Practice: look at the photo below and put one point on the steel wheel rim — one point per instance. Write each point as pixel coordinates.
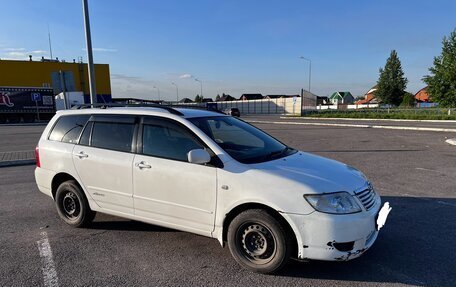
(71, 205)
(257, 243)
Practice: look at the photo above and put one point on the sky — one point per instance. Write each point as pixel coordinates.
(233, 47)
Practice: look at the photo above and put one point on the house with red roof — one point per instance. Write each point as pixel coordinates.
(369, 97)
(422, 96)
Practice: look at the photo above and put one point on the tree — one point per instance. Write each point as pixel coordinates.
(442, 82)
(408, 101)
(198, 99)
(217, 98)
(391, 83)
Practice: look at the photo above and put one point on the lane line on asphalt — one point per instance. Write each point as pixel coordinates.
(358, 126)
(48, 268)
(365, 119)
(451, 141)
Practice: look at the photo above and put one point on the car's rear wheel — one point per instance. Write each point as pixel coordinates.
(258, 241)
(72, 205)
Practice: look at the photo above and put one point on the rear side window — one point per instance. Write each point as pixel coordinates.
(68, 128)
(113, 136)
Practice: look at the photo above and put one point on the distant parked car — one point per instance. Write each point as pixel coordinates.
(232, 112)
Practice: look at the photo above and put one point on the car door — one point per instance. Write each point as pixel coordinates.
(104, 159)
(167, 189)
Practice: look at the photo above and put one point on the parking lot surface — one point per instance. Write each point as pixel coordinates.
(414, 171)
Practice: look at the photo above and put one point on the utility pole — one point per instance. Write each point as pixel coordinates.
(201, 86)
(177, 92)
(49, 38)
(91, 70)
(310, 69)
(158, 90)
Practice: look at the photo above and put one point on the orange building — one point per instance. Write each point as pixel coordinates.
(369, 97)
(422, 96)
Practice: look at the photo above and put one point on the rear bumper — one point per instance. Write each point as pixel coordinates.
(332, 237)
(43, 178)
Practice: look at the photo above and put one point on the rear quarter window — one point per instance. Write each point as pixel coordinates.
(113, 136)
(68, 128)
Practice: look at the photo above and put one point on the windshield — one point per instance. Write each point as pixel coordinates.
(242, 141)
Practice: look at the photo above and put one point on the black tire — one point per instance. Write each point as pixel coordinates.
(259, 242)
(72, 205)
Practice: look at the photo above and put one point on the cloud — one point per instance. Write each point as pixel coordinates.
(41, 52)
(186, 76)
(16, 54)
(124, 77)
(102, 50)
(14, 49)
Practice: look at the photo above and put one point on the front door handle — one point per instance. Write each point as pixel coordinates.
(142, 165)
(82, 155)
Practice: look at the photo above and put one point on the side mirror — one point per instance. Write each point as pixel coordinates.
(198, 156)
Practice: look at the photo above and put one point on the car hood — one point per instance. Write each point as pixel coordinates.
(314, 173)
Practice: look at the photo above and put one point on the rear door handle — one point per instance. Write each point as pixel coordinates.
(82, 155)
(142, 165)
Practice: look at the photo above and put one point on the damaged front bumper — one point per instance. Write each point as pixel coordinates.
(332, 237)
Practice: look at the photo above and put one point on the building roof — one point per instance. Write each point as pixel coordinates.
(280, 96)
(186, 100)
(340, 95)
(226, 98)
(368, 99)
(422, 95)
(252, 96)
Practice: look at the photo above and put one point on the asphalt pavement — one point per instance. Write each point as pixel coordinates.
(414, 170)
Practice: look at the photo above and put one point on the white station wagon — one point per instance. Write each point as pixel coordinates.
(210, 174)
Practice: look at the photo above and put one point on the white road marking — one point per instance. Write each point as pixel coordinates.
(364, 119)
(451, 141)
(358, 126)
(48, 268)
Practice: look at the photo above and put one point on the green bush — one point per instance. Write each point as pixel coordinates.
(412, 114)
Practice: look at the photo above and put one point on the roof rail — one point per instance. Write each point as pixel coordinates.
(111, 105)
(195, 107)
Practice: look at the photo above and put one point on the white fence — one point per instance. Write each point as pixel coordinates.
(346, 107)
(284, 106)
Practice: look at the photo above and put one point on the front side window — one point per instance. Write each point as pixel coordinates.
(242, 141)
(113, 136)
(167, 140)
(68, 128)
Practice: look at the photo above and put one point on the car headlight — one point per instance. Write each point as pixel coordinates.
(337, 203)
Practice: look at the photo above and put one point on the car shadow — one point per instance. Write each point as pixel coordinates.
(415, 247)
(113, 223)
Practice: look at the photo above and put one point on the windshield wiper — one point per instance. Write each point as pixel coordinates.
(279, 153)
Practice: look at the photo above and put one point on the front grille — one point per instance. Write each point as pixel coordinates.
(367, 197)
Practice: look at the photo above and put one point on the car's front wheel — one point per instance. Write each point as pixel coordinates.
(258, 241)
(72, 205)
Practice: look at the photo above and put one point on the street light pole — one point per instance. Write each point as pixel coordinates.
(201, 86)
(158, 90)
(177, 92)
(310, 69)
(91, 70)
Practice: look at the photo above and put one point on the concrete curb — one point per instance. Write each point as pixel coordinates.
(10, 163)
(451, 141)
(364, 119)
(360, 126)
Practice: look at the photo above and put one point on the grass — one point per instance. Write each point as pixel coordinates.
(411, 114)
